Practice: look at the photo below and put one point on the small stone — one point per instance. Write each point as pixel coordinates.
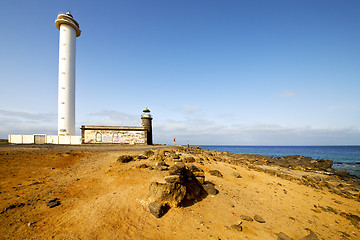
(31, 223)
(311, 236)
(236, 174)
(53, 203)
(189, 159)
(210, 189)
(283, 236)
(161, 168)
(216, 173)
(158, 209)
(237, 227)
(143, 166)
(161, 163)
(149, 153)
(125, 159)
(316, 210)
(259, 219)
(246, 218)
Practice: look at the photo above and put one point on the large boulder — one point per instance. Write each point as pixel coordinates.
(169, 193)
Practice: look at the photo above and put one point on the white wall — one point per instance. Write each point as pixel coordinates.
(50, 139)
(15, 139)
(27, 139)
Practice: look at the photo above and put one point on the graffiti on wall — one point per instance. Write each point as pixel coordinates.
(112, 136)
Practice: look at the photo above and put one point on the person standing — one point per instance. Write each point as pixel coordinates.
(187, 144)
(174, 141)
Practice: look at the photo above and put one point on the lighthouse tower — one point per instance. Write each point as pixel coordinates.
(146, 122)
(69, 30)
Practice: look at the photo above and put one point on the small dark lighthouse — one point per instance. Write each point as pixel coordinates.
(146, 122)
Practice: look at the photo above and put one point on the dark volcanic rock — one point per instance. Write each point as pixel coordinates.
(161, 166)
(143, 166)
(189, 160)
(216, 173)
(194, 168)
(210, 188)
(12, 206)
(170, 193)
(177, 169)
(236, 174)
(149, 153)
(283, 236)
(237, 227)
(53, 203)
(158, 209)
(311, 236)
(294, 161)
(125, 159)
(246, 218)
(259, 219)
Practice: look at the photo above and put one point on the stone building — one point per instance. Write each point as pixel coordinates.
(120, 134)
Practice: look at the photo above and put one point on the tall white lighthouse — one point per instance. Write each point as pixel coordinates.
(69, 30)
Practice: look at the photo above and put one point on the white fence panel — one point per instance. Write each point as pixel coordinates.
(15, 139)
(75, 140)
(28, 139)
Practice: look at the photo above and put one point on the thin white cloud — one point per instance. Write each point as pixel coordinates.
(190, 111)
(26, 116)
(17, 122)
(204, 132)
(197, 130)
(288, 94)
(110, 117)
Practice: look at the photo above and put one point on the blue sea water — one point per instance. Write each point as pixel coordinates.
(344, 157)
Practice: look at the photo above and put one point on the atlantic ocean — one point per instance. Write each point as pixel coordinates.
(344, 157)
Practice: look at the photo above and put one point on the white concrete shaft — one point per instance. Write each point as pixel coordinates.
(66, 94)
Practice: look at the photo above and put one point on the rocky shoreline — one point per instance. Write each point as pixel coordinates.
(317, 173)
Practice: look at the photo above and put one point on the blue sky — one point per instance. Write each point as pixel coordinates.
(254, 72)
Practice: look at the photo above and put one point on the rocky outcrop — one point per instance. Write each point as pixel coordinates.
(171, 194)
(184, 185)
(281, 167)
(296, 161)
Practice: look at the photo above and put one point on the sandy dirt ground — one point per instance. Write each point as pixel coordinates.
(101, 198)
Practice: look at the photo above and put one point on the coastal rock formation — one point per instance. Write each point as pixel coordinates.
(317, 173)
(184, 185)
(296, 161)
